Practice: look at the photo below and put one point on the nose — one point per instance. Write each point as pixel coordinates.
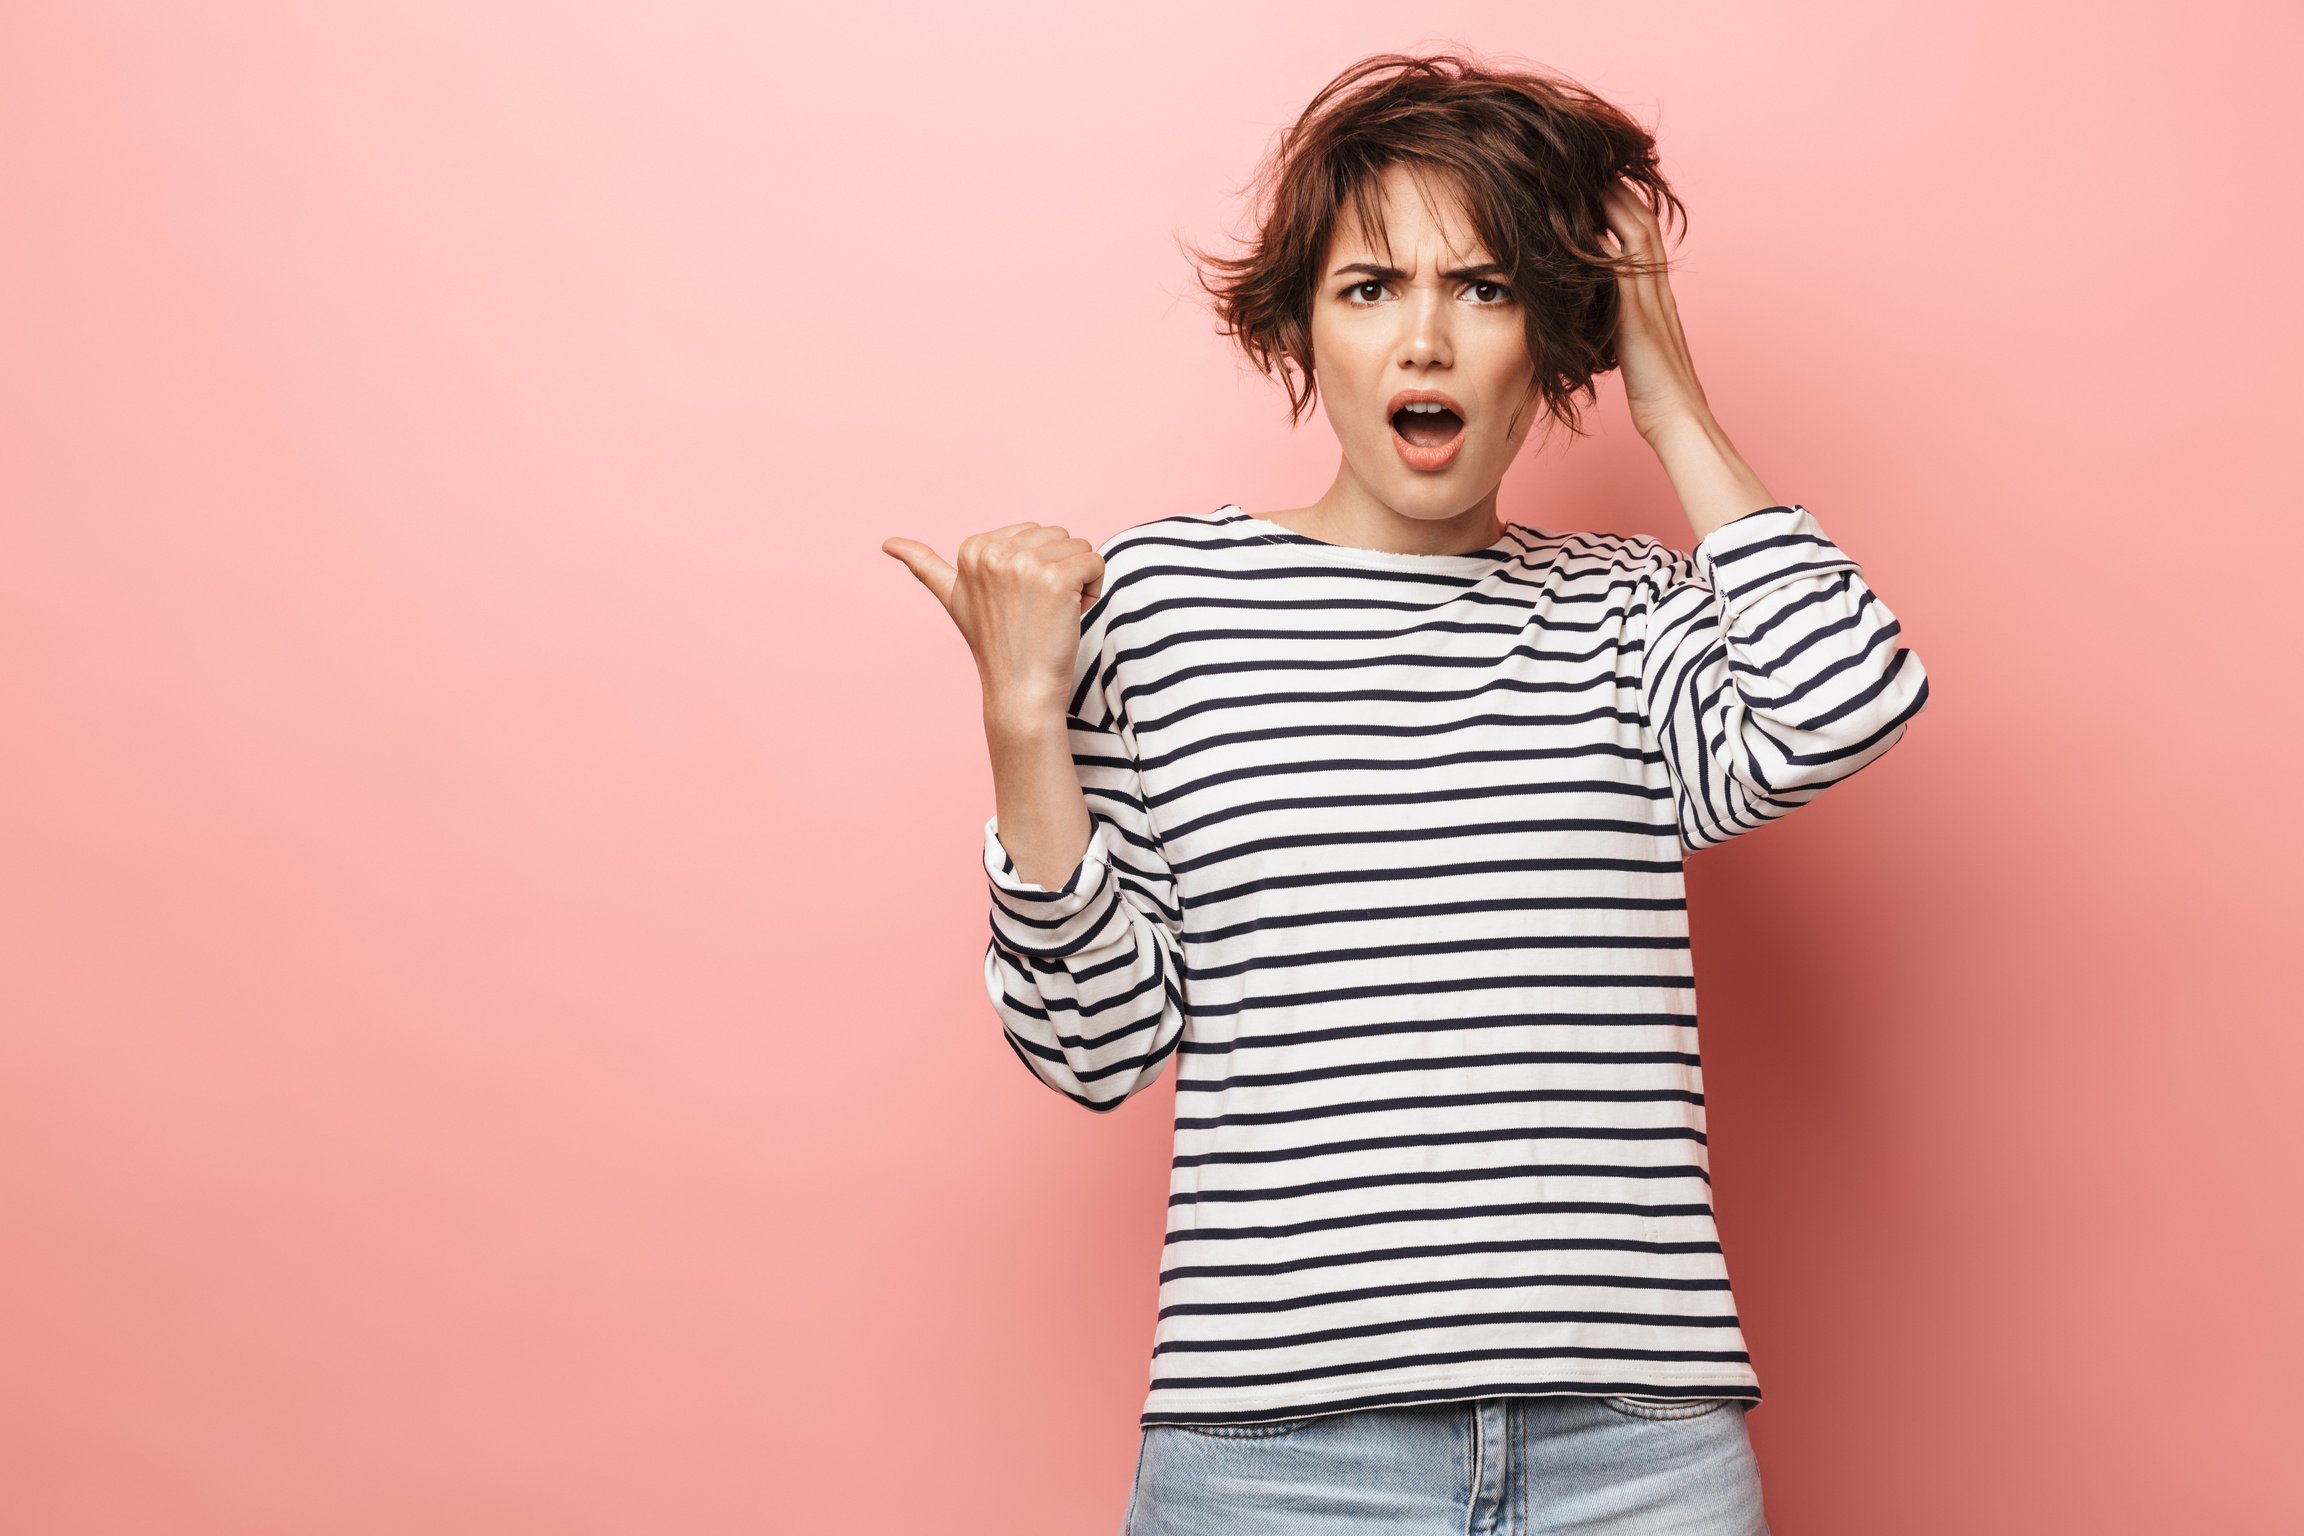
(1425, 341)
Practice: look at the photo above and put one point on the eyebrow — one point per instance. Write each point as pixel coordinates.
(1374, 270)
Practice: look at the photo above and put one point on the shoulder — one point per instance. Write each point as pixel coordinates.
(1140, 557)
(1177, 536)
(1595, 552)
(1135, 557)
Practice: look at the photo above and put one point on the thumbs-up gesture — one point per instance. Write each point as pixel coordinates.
(1016, 594)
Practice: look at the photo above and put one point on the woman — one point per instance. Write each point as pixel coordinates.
(1373, 814)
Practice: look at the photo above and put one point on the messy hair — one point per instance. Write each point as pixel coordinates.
(1532, 156)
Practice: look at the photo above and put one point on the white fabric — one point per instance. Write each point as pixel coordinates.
(1387, 854)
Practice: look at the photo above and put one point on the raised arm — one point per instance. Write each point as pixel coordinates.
(1769, 670)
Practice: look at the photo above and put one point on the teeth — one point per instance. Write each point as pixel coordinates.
(1424, 407)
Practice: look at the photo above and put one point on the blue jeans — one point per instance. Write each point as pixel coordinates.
(1502, 1466)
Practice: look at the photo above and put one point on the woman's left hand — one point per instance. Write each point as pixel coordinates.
(1659, 376)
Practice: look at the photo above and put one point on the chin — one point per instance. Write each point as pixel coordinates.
(1434, 498)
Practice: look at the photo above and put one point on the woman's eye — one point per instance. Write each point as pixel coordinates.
(1358, 293)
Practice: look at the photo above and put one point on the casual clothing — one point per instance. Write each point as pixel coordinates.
(1510, 1466)
(1387, 852)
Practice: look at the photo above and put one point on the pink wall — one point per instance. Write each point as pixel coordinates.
(491, 1038)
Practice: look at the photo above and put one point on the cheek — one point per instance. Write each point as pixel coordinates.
(1508, 377)
(1504, 360)
(1353, 344)
(1349, 388)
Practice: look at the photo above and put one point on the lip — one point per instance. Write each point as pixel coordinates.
(1427, 459)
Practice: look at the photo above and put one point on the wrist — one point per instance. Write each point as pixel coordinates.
(1713, 482)
(1024, 716)
(1687, 429)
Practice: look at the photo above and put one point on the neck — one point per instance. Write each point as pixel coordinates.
(1348, 512)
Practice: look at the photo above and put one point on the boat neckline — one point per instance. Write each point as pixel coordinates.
(1512, 540)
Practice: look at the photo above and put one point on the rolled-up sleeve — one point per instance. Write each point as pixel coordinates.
(1769, 671)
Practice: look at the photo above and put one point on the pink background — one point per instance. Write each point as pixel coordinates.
(491, 1037)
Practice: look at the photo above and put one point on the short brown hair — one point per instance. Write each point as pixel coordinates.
(1532, 154)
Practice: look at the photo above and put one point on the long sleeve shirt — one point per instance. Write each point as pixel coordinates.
(1386, 853)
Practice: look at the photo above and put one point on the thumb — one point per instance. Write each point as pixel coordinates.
(926, 564)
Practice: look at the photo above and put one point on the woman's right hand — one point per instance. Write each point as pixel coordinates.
(1016, 594)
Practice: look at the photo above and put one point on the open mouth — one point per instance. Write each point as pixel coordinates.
(1427, 425)
(1427, 431)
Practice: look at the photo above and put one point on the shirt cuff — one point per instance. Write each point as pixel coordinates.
(1749, 555)
(1033, 918)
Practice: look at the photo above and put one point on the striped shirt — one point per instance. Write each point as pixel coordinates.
(1387, 853)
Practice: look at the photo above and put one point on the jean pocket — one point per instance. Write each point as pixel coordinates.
(1675, 1408)
(1263, 1431)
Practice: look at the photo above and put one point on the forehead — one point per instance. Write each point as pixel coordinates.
(1405, 211)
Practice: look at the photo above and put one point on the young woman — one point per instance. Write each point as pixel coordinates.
(1372, 813)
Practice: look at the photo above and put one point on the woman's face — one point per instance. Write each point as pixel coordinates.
(1432, 317)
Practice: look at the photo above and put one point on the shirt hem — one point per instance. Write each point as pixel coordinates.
(1448, 1389)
